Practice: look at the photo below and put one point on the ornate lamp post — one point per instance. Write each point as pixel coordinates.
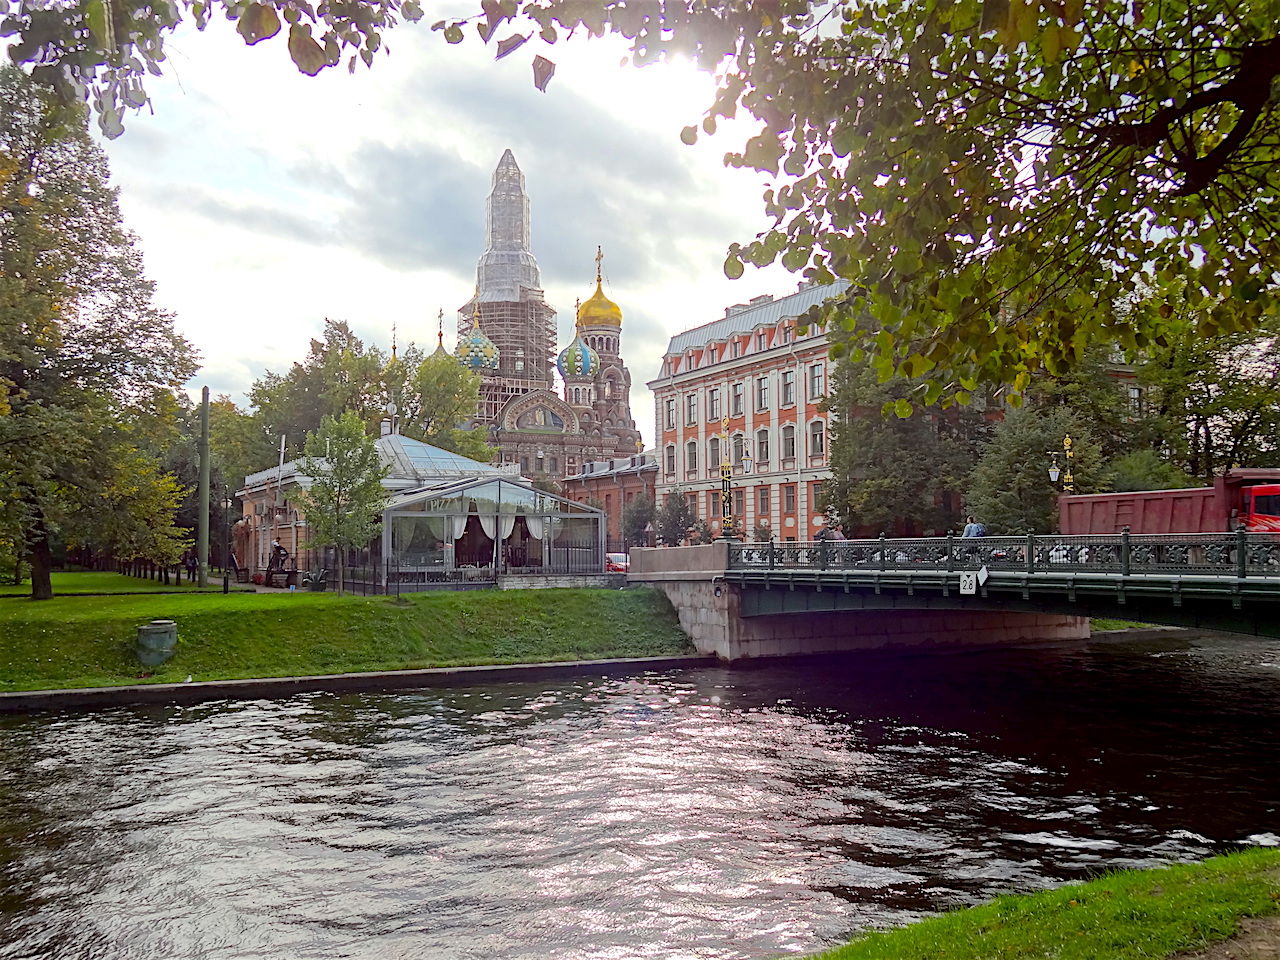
(726, 477)
(1068, 479)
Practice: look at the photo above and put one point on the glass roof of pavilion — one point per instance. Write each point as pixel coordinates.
(487, 495)
(414, 460)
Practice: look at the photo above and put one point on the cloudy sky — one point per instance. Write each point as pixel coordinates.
(266, 201)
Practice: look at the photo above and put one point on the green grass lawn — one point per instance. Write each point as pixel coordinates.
(99, 582)
(1125, 915)
(88, 641)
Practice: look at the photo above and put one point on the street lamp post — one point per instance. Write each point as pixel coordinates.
(227, 503)
(1068, 478)
(726, 477)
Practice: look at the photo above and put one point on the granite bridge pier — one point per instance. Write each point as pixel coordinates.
(743, 600)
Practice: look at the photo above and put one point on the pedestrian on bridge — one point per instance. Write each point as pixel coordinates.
(974, 529)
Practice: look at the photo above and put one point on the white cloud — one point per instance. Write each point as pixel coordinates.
(266, 201)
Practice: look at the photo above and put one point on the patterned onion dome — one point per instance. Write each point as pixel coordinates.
(578, 360)
(477, 351)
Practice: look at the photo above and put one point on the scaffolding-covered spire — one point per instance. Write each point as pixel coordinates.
(507, 265)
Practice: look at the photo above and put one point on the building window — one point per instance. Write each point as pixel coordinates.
(713, 503)
(817, 381)
(713, 454)
(713, 403)
(762, 340)
(762, 447)
(762, 501)
(762, 393)
(670, 458)
(524, 464)
(555, 464)
(692, 500)
(788, 387)
(1135, 399)
(817, 439)
(815, 495)
(735, 400)
(691, 456)
(789, 442)
(789, 498)
(739, 449)
(739, 503)
(691, 409)
(786, 333)
(735, 348)
(671, 413)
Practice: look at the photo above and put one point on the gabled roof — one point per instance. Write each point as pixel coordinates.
(745, 321)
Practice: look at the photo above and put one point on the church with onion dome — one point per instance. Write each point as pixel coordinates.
(507, 335)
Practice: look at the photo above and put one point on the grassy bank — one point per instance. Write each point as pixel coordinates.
(1127, 914)
(88, 641)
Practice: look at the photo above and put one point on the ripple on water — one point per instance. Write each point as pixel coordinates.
(708, 814)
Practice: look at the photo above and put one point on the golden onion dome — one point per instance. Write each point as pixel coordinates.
(599, 310)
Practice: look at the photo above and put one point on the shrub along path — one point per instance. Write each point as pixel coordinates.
(93, 583)
(85, 641)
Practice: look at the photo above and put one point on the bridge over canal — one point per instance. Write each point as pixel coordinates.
(742, 600)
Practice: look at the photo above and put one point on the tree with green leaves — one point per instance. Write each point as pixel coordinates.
(1009, 489)
(80, 339)
(673, 520)
(892, 474)
(436, 393)
(1211, 403)
(991, 176)
(337, 376)
(1144, 470)
(344, 500)
(637, 520)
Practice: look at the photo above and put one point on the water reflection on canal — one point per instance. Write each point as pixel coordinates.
(710, 814)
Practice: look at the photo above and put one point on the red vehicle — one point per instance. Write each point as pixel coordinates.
(1250, 496)
(621, 563)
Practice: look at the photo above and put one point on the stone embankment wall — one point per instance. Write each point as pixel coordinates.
(692, 578)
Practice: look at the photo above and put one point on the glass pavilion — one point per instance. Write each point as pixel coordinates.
(484, 526)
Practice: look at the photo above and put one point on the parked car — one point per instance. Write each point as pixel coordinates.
(617, 563)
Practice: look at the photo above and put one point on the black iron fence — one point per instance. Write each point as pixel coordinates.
(1237, 554)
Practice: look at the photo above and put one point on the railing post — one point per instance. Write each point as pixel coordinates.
(822, 554)
(772, 558)
(1124, 551)
(883, 559)
(1031, 553)
(951, 552)
(1242, 544)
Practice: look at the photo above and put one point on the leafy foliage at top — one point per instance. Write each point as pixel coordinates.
(991, 176)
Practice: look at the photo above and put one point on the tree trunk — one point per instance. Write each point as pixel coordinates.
(41, 559)
(341, 568)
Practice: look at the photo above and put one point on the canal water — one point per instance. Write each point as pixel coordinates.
(713, 813)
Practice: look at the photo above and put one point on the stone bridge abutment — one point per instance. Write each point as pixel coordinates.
(711, 612)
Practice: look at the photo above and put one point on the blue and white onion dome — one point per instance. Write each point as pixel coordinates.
(477, 351)
(578, 360)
